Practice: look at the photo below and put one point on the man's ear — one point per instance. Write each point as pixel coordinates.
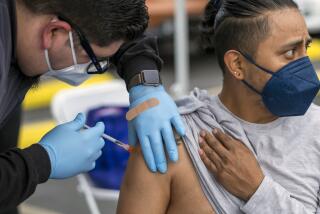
(56, 31)
(235, 64)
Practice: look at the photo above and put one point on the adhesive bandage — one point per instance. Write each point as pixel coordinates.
(136, 111)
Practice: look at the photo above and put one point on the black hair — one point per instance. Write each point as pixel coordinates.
(102, 21)
(238, 24)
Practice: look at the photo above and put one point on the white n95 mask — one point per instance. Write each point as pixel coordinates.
(73, 75)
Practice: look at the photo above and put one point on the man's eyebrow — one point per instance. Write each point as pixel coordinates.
(296, 43)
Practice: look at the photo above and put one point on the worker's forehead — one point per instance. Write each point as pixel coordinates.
(286, 25)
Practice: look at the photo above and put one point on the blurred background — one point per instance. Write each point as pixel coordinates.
(186, 66)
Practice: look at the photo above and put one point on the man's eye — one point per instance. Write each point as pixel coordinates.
(290, 54)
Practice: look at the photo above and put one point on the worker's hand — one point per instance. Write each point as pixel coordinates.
(232, 163)
(154, 127)
(72, 150)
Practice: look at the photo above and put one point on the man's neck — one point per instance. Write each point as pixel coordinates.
(244, 103)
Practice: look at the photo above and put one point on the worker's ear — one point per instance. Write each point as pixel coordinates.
(55, 33)
(235, 64)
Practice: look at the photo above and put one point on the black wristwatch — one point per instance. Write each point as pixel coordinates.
(147, 78)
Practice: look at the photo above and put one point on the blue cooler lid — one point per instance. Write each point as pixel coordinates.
(110, 167)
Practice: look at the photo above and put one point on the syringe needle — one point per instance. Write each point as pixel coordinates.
(113, 140)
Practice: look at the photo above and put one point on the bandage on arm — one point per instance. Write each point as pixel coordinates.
(142, 107)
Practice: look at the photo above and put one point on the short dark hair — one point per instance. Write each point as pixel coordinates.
(102, 21)
(238, 24)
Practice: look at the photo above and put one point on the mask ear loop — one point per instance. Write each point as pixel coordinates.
(46, 54)
(74, 57)
(251, 87)
(75, 62)
(249, 59)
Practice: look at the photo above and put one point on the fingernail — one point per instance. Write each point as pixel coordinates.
(215, 131)
(182, 132)
(200, 151)
(201, 140)
(100, 125)
(151, 165)
(202, 133)
(173, 156)
(80, 116)
(153, 169)
(162, 168)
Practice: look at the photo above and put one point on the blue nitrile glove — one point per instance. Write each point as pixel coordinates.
(72, 150)
(155, 125)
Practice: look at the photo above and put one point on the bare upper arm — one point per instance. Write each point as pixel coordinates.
(143, 191)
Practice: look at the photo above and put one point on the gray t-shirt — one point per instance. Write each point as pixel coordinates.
(287, 149)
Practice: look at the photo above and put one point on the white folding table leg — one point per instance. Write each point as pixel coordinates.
(86, 189)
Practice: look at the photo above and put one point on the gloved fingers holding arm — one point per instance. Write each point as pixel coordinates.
(158, 151)
(169, 140)
(139, 64)
(178, 125)
(147, 152)
(156, 124)
(72, 150)
(132, 135)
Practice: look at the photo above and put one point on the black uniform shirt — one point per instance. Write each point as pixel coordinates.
(22, 170)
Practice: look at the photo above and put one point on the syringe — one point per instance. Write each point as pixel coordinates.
(115, 141)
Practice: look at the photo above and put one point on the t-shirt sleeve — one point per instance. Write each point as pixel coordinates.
(271, 197)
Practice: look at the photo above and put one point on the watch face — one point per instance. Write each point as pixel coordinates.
(151, 77)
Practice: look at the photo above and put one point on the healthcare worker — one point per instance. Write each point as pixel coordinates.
(71, 40)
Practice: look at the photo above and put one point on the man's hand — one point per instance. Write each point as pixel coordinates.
(72, 150)
(154, 127)
(232, 163)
